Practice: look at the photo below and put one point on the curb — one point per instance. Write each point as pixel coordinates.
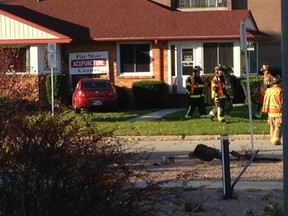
(194, 137)
(218, 184)
(241, 185)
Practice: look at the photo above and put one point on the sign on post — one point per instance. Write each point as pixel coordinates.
(52, 55)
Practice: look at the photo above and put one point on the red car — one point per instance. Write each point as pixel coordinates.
(94, 93)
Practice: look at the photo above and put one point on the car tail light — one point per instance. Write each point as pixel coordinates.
(81, 94)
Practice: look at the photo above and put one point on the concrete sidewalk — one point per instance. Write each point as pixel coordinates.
(155, 115)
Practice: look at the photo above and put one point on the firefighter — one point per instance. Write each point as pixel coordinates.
(195, 93)
(264, 84)
(218, 94)
(229, 88)
(272, 104)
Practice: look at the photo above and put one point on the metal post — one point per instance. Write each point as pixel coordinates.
(226, 178)
(284, 57)
(52, 92)
(243, 42)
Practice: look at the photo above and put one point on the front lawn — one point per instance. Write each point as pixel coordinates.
(174, 124)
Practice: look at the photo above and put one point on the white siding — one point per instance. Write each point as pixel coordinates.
(13, 29)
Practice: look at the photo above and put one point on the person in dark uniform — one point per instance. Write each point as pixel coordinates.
(195, 93)
(229, 89)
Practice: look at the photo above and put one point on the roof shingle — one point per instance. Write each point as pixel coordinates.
(120, 20)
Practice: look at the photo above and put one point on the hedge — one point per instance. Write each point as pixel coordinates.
(150, 94)
(60, 88)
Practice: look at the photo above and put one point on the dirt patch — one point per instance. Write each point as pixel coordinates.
(210, 202)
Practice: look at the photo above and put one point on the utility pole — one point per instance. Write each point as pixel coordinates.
(284, 57)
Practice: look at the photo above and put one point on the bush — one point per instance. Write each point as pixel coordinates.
(254, 88)
(60, 88)
(239, 95)
(49, 166)
(150, 94)
(123, 97)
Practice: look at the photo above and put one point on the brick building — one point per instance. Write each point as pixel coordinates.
(143, 40)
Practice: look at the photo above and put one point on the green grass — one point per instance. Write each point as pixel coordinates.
(174, 124)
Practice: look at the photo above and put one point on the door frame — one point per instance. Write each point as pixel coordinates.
(176, 78)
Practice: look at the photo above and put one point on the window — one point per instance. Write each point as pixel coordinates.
(14, 60)
(217, 53)
(201, 3)
(135, 58)
(187, 61)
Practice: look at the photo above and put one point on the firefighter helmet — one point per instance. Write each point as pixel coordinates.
(219, 67)
(197, 68)
(265, 67)
(229, 68)
(276, 80)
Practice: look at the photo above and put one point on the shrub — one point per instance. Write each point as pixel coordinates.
(49, 166)
(239, 95)
(150, 94)
(60, 88)
(17, 93)
(123, 97)
(254, 88)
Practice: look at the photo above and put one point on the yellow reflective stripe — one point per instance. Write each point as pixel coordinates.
(275, 139)
(275, 115)
(200, 85)
(196, 96)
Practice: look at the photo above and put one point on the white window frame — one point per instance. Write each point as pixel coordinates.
(150, 73)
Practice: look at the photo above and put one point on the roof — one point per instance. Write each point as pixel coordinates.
(128, 20)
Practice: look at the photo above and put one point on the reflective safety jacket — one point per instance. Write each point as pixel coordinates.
(194, 87)
(273, 101)
(218, 89)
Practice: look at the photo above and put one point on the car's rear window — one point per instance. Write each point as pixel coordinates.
(95, 84)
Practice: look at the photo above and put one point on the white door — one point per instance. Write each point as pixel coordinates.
(186, 64)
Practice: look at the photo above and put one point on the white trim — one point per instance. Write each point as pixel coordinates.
(237, 59)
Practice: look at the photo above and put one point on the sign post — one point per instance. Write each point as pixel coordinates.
(227, 189)
(243, 45)
(52, 56)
